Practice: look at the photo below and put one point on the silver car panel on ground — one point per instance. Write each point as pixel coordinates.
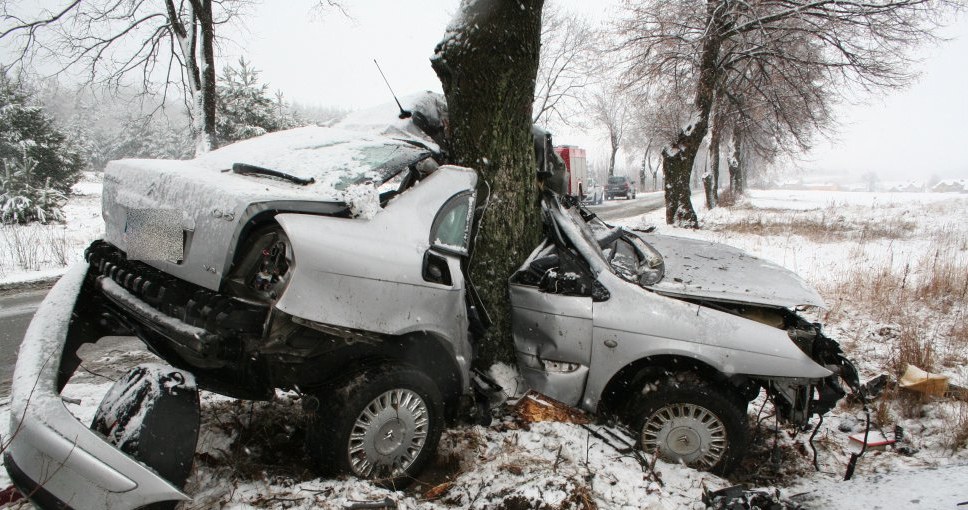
(53, 458)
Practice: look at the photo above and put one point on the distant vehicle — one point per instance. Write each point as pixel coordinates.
(619, 186)
(576, 163)
(592, 192)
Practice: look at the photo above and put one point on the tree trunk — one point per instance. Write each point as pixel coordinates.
(676, 172)
(715, 139)
(736, 180)
(613, 139)
(678, 158)
(707, 186)
(206, 23)
(487, 65)
(642, 172)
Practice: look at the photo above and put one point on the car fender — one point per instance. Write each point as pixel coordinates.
(366, 274)
(634, 324)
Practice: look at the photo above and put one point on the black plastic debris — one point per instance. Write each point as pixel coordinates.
(387, 503)
(739, 497)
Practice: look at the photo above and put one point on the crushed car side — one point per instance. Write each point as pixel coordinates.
(593, 331)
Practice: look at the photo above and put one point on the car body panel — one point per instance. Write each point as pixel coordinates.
(366, 274)
(635, 323)
(703, 269)
(49, 448)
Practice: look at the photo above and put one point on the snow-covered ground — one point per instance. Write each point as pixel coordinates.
(893, 269)
(40, 252)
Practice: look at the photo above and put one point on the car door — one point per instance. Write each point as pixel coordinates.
(553, 297)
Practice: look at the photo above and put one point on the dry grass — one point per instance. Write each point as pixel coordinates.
(727, 198)
(922, 305)
(34, 247)
(828, 226)
(957, 437)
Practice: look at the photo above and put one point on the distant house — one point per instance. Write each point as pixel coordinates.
(951, 186)
(907, 187)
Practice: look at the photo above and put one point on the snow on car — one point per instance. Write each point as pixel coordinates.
(330, 262)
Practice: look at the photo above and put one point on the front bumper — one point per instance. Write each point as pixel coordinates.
(55, 460)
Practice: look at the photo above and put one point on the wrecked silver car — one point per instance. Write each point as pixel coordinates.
(672, 336)
(322, 260)
(332, 262)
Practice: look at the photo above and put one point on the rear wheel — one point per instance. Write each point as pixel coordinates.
(381, 424)
(684, 419)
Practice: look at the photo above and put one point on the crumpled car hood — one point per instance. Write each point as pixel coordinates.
(708, 270)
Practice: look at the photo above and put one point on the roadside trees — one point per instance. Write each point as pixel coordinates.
(697, 51)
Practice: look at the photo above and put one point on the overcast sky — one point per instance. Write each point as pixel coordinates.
(324, 58)
(327, 59)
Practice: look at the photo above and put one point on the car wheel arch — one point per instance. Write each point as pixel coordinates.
(424, 351)
(629, 379)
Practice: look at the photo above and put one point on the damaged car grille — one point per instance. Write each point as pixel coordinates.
(195, 306)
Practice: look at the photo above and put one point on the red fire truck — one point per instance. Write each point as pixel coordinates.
(574, 158)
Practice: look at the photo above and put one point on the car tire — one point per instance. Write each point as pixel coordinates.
(687, 420)
(152, 414)
(381, 424)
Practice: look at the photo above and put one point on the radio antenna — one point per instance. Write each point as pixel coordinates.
(404, 114)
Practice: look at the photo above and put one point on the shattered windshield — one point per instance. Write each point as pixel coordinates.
(386, 161)
(627, 254)
(333, 159)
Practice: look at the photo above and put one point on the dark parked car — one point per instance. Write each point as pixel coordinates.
(619, 186)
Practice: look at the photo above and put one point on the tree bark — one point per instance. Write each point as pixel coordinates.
(715, 140)
(487, 65)
(737, 182)
(206, 23)
(678, 158)
(613, 139)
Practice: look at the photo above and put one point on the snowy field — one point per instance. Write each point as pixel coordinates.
(39, 252)
(893, 269)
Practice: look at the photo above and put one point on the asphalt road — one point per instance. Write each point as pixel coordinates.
(16, 310)
(641, 204)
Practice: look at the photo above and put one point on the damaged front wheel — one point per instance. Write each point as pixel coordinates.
(684, 419)
(382, 424)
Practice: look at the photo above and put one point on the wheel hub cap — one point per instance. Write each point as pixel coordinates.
(389, 434)
(685, 433)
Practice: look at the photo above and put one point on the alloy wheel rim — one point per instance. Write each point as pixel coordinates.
(389, 434)
(686, 433)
